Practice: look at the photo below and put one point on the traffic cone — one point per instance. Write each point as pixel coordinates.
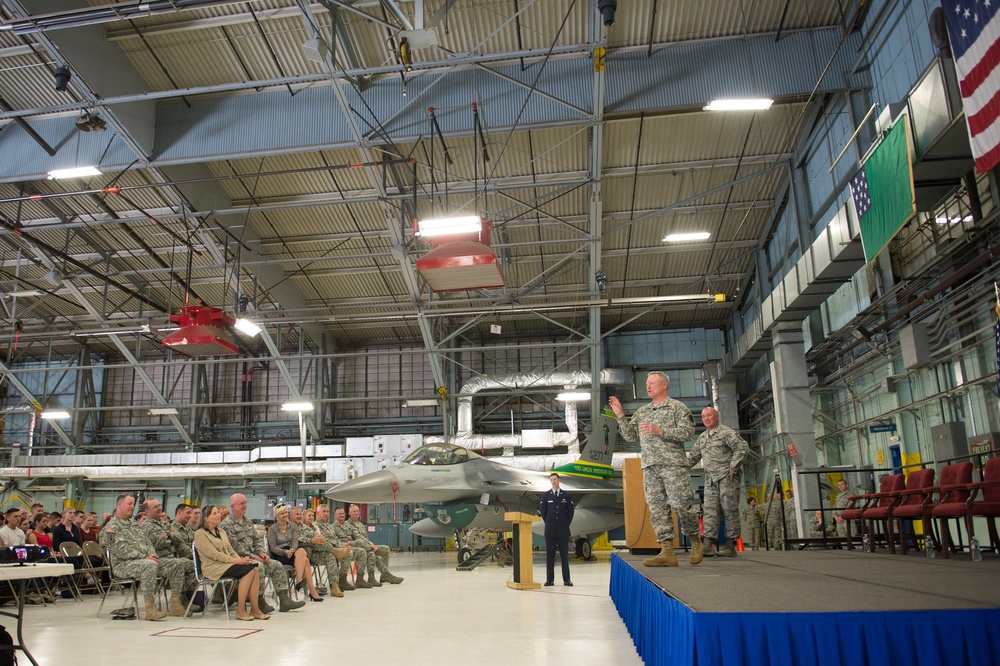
(739, 545)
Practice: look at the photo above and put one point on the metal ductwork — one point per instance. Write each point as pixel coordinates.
(572, 379)
(104, 473)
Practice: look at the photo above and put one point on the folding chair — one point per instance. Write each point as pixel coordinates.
(120, 583)
(98, 565)
(207, 586)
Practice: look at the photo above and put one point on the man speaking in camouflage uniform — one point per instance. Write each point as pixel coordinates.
(721, 451)
(344, 554)
(133, 556)
(662, 427)
(246, 542)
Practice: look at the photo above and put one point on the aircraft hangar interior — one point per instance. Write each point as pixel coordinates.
(272, 246)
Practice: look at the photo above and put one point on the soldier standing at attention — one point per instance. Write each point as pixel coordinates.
(662, 427)
(721, 451)
(841, 503)
(751, 524)
(135, 557)
(556, 509)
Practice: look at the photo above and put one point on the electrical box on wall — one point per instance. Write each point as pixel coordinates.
(949, 441)
(915, 346)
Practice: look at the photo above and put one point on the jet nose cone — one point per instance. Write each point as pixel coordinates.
(371, 488)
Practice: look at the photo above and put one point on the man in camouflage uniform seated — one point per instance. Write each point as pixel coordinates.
(662, 427)
(721, 450)
(163, 537)
(379, 555)
(134, 556)
(326, 528)
(181, 532)
(245, 540)
(343, 532)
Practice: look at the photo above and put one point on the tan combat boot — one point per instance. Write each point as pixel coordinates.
(335, 590)
(372, 580)
(152, 612)
(697, 554)
(341, 553)
(360, 580)
(177, 607)
(665, 558)
(391, 578)
(345, 584)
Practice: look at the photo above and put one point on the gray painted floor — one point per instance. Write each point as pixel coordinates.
(833, 580)
(438, 615)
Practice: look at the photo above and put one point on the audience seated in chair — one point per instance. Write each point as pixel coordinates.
(218, 560)
(283, 539)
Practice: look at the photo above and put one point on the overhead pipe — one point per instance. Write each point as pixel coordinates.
(107, 472)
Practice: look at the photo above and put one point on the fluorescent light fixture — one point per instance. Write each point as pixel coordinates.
(163, 411)
(78, 172)
(26, 292)
(112, 331)
(54, 415)
(759, 104)
(573, 396)
(247, 326)
(693, 236)
(297, 407)
(421, 402)
(941, 220)
(450, 226)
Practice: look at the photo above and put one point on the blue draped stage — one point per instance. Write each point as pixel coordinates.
(665, 631)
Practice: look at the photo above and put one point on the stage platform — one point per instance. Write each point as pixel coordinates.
(837, 607)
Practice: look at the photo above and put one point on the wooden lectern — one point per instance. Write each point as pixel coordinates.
(523, 579)
(639, 534)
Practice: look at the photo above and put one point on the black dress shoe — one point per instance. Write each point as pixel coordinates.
(548, 583)
(568, 583)
(301, 585)
(316, 599)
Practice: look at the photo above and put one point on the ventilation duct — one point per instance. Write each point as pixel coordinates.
(110, 472)
(202, 332)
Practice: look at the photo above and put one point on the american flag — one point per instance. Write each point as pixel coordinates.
(974, 28)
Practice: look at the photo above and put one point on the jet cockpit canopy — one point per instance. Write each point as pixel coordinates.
(439, 454)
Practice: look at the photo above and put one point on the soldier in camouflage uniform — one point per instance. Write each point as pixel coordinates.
(662, 427)
(751, 524)
(773, 522)
(380, 554)
(364, 558)
(158, 530)
(246, 542)
(721, 451)
(134, 556)
(840, 504)
(791, 524)
(344, 554)
(181, 532)
(317, 550)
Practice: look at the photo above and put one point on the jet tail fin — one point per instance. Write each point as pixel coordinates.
(595, 454)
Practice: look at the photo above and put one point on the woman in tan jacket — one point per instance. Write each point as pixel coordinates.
(217, 559)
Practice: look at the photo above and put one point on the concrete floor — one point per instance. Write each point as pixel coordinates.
(438, 615)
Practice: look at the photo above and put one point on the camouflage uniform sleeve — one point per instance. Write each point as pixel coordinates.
(628, 428)
(740, 450)
(154, 531)
(305, 534)
(694, 455)
(130, 542)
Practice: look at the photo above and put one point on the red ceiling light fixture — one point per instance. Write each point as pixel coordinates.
(202, 332)
(462, 258)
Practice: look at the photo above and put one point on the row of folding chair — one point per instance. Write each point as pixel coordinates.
(899, 501)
